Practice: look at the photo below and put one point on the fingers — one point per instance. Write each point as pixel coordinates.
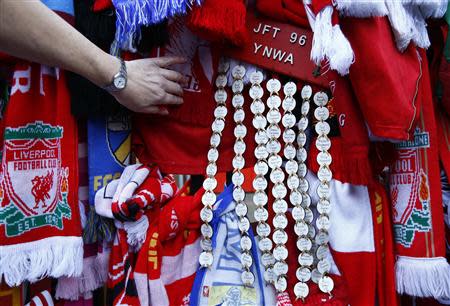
(167, 61)
(170, 99)
(173, 88)
(155, 110)
(173, 76)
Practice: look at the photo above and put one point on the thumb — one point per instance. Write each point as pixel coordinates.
(167, 61)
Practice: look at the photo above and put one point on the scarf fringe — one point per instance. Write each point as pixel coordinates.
(94, 276)
(329, 43)
(434, 9)
(401, 24)
(361, 8)
(49, 257)
(131, 15)
(136, 232)
(423, 277)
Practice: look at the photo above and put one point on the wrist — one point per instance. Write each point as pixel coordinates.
(107, 67)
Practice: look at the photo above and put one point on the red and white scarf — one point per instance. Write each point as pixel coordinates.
(39, 216)
(421, 268)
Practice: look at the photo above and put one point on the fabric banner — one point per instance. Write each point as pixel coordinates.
(109, 145)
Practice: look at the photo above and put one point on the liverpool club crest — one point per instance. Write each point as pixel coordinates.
(410, 191)
(34, 185)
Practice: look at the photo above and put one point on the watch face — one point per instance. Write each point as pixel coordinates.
(120, 82)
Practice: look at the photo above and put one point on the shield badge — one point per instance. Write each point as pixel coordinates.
(34, 186)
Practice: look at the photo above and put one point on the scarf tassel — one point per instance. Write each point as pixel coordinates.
(329, 43)
(423, 277)
(131, 15)
(361, 8)
(61, 256)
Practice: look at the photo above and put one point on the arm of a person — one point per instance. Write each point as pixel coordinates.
(29, 30)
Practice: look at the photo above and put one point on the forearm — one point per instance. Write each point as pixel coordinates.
(29, 30)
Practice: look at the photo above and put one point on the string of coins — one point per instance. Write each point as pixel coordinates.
(260, 198)
(323, 144)
(210, 183)
(240, 131)
(302, 201)
(279, 190)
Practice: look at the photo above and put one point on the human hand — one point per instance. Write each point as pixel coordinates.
(151, 86)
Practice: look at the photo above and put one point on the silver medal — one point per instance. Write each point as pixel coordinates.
(221, 81)
(237, 86)
(238, 162)
(291, 167)
(241, 209)
(261, 152)
(246, 243)
(298, 213)
(320, 98)
(280, 206)
(273, 85)
(206, 259)
(243, 225)
(306, 92)
(281, 284)
(209, 198)
(238, 194)
(237, 100)
(206, 214)
(263, 229)
(288, 120)
(303, 274)
(239, 115)
(289, 136)
(210, 183)
(260, 198)
(322, 128)
(220, 112)
(256, 77)
(301, 228)
(273, 116)
(257, 107)
(323, 143)
(290, 89)
(261, 215)
(273, 102)
(220, 96)
(305, 259)
(280, 221)
(238, 72)
(279, 237)
(206, 230)
(279, 191)
(265, 244)
(247, 278)
(260, 183)
(323, 222)
(211, 169)
(237, 178)
(302, 123)
(246, 260)
(323, 266)
(301, 290)
(304, 244)
(213, 155)
(256, 92)
(240, 131)
(280, 268)
(280, 252)
(326, 284)
(289, 104)
(275, 161)
(321, 113)
(324, 158)
(218, 125)
(273, 131)
(259, 122)
(261, 168)
(215, 140)
(277, 176)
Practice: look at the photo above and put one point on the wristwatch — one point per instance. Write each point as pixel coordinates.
(119, 80)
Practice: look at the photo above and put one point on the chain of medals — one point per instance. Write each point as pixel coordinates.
(279, 190)
(323, 144)
(260, 198)
(210, 183)
(301, 213)
(240, 131)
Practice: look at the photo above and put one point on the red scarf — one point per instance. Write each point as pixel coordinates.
(415, 186)
(39, 216)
